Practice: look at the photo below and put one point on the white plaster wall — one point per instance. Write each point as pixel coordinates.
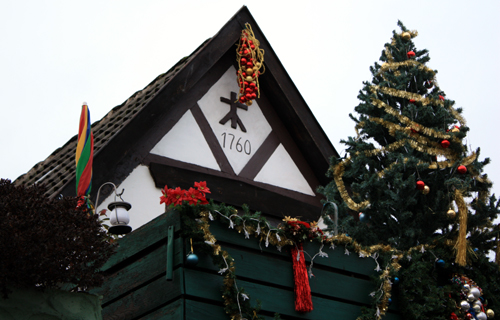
(254, 121)
(141, 193)
(281, 171)
(185, 142)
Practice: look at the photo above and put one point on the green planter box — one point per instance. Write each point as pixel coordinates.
(136, 286)
(32, 304)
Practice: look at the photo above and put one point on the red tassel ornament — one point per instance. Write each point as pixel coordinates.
(303, 302)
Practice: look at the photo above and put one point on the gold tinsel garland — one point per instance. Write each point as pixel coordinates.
(407, 121)
(389, 66)
(406, 95)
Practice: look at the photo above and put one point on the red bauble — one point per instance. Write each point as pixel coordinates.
(441, 98)
(462, 169)
(252, 84)
(249, 90)
(252, 47)
(254, 96)
(243, 61)
(420, 185)
(242, 99)
(445, 144)
(410, 54)
(244, 45)
(248, 96)
(249, 64)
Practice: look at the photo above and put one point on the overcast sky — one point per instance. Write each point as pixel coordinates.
(56, 54)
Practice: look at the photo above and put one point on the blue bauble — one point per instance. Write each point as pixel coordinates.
(389, 301)
(362, 217)
(440, 263)
(396, 280)
(191, 260)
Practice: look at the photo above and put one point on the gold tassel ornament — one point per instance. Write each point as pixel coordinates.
(461, 244)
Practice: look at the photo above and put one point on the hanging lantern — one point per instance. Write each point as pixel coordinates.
(119, 217)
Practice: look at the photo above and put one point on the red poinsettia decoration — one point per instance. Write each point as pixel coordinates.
(301, 230)
(177, 196)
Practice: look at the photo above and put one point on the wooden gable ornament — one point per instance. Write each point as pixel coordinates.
(271, 155)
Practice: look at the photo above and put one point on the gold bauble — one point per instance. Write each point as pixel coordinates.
(426, 190)
(490, 313)
(406, 36)
(451, 214)
(249, 71)
(249, 78)
(248, 102)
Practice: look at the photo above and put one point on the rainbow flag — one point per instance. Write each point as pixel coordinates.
(84, 154)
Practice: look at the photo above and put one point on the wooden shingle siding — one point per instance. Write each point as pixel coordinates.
(136, 286)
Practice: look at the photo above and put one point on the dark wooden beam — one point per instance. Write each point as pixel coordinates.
(235, 193)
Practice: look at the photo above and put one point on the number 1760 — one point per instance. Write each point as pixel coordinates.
(245, 147)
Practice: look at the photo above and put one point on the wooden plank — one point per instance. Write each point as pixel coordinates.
(148, 235)
(139, 272)
(204, 285)
(145, 299)
(196, 310)
(172, 311)
(274, 271)
(337, 258)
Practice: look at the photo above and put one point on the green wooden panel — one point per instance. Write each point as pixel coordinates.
(139, 272)
(268, 269)
(337, 257)
(204, 285)
(145, 299)
(196, 310)
(145, 236)
(172, 311)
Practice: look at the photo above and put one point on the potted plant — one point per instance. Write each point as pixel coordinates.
(45, 245)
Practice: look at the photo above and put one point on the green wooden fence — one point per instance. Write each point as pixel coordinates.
(136, 286)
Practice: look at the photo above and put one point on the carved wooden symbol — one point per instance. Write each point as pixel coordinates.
(232, 114)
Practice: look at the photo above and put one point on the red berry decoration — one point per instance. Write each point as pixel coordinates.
(428, 84)
(410, 54)
(250, 59)
(412, 100)
(445, 144)
(420, 185)
(441, 98)
(462, 169)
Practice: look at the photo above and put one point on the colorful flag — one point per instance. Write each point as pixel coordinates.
(84, 154)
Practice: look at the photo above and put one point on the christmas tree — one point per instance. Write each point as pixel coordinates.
(411, 190)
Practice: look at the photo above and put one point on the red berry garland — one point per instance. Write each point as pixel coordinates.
(410, 54)
(250, 61)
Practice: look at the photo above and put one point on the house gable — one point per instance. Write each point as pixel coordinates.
(183, 131)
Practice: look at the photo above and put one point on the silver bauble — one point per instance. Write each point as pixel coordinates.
(466, 288)
(471, 298)
(464, 305)
(477, 303)
(476, 308)
(475, 291)
(481, 316)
